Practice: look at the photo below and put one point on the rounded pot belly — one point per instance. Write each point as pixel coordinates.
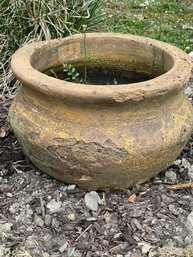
(106, 147)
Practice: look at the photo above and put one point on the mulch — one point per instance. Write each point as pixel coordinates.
(40, 216)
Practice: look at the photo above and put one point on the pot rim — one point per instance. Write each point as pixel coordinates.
(173, 80)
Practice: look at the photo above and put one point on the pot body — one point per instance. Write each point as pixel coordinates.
(100, 144)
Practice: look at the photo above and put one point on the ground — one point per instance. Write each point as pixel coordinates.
(44, 217)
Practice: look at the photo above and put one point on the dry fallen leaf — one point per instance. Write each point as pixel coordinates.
(2, 132)
(71, 216)
(131, 198)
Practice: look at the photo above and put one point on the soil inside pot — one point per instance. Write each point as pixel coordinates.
(98, 76)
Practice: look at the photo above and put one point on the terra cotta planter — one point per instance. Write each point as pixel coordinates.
(102, 137)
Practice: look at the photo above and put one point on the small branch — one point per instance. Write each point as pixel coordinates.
(179, 186)
(3, 217)
(83, 233)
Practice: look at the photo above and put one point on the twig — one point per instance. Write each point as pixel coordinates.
(179, 186)
(83, 233)
(3, 217)
(42, 207)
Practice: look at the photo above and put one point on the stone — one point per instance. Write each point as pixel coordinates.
(145, 247)
(63, 247)
(5, 229)
(54, 206)
(71, 187)
(189, 222)
(71, 216)
(4, 251)
(8, 194)
(185, 163)
(170, 176)
(38, 221)
(177, 162)
(191, 54)
(92, 200)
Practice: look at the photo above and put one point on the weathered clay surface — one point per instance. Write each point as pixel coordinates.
(105, 137)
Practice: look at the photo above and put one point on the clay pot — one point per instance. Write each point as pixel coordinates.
(102, 137)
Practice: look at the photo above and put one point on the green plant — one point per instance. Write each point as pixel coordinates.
(87, 59)
(71, 73)
(23, 21)
(115, 81)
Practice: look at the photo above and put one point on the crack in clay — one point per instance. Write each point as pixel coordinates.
(77, 154)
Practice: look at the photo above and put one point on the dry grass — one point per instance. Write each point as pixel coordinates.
(25, 21)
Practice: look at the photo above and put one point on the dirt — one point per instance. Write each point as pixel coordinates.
(41, 216)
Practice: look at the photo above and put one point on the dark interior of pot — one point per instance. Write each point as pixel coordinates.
(103, 61)
(95, 75)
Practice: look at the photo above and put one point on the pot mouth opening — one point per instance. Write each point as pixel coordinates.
(143, 67)
(113, 62)
(96, 75)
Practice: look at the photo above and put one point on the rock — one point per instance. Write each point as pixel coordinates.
(185, 163)
(92, 200)
(31, 241)
(4, 251)
(170, 176)
(38, 221)
(189, 222)
(48, 219)
(169, 250)
(177, 162)
(14, 208)
(8, 194)
(190, 172)
(5, 229)
(25, 214)
(191, 54)
(145, 247)
(71, 187)
(54, 206)
(146, 3)
(71, 216)
(63, 247)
